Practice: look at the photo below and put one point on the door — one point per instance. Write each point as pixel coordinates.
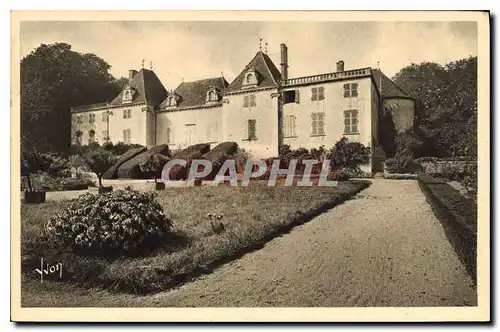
(190, 134)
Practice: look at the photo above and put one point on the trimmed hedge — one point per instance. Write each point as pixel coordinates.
(112, 172)
(131, 169)
(458, 216)
(187, 152)
(218, 155)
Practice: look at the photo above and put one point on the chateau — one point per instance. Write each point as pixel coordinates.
(260, 109)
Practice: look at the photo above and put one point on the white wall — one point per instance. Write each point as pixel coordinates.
(333, 106)
(98, 126)
(235, 119)
(188, 127)
(136, 123)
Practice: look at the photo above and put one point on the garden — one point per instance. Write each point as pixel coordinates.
(144, 242)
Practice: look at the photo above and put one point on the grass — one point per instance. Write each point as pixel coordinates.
(252, 216)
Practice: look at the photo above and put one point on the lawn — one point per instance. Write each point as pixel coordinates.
(251, 216)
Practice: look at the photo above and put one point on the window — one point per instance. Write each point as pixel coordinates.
(318, 93)
(351, 122)
(168, 134)
(91, 118)
(92, 138)
(79, 119)
(318, 124)
(104, 116)
(105, 136)
(78, 137)
(171, 101)
(249, 101)
(291, 97)
(127, 114)
(252, 129)
(126, 136)
(350, 90)
(250, 78)
(127, 95)
(289, 125)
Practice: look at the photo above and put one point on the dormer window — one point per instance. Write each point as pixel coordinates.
(128, 94)
(171, 101)
(250, 79)
(212, 95)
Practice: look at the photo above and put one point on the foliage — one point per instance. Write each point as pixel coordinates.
(402, 165)
(119, 221)
(407, 143)
(445, 106)
(196, 148)
(32, 162)
(131, 169)
(49, 182)
(338, 175)
(112, 172)
(98, 160)
(54, 78)
(121, 148)
(345, 154)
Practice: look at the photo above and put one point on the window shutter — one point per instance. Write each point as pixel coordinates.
(313, 93)
(354, 89)
(297, 96)
(293, 125)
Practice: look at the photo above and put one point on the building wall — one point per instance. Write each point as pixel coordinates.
(188, 127)
(265, 113)
(85, 126)
(403, 112)
(333, 107)
(136, 123)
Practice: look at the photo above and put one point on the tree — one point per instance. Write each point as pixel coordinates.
(32, 162)
(345, 154)
(98, 160)
(54, 78)
(445, 106)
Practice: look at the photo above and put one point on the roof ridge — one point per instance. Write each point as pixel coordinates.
(267, 66)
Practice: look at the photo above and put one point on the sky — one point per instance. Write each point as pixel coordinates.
(195, 50)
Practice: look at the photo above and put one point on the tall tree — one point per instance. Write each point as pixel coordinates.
(446, 105)
(54, 78)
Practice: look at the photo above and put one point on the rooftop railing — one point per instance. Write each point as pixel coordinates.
(328, 77)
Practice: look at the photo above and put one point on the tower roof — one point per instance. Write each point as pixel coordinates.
(269, 75)
(148, 88)
(387, 87)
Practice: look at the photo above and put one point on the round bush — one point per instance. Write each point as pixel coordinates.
(122, 221)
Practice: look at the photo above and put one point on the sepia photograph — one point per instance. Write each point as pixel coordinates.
(250, 166)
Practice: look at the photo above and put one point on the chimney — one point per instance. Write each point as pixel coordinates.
(340, 66)
(131, 74)
(284, 62)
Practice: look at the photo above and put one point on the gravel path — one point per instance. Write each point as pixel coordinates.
(384, 248)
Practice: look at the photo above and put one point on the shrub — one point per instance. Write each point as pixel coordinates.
(48, 182)
(98, 160)
(131, 169)
(402, 164)
(120, 148)
(408, 143)
(218, 155)
(153, 166)
(338, 175)
(345, 154)
(32, 162)
(112, 172)
(122, 221)
(201, 148)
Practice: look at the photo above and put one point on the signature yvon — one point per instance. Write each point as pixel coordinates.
(49, 269)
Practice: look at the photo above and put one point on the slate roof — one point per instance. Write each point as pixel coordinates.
(194, 93)
(148, 87)
(269, 75)
(388, 88)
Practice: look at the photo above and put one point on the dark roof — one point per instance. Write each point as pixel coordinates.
(269, 75)
(388, 88)
(193, 94)
(148, 87)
